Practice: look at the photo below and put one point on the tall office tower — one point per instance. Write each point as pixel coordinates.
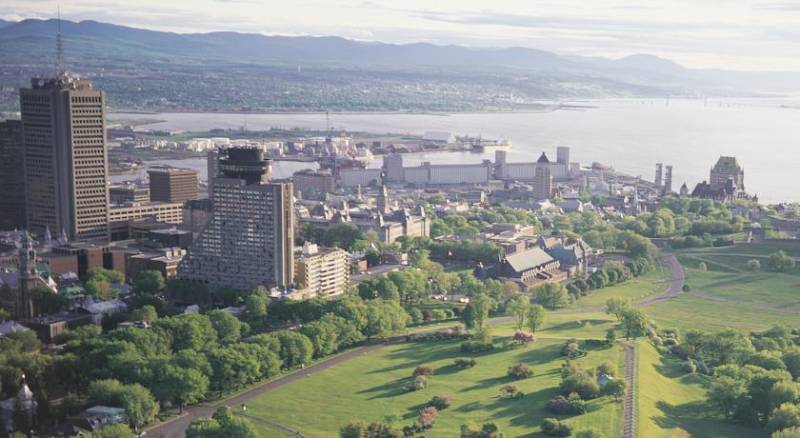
(66, 159)
(213, 170)
(12, 176)
(170, 184)
(562, 155)
(249, 240)
(542, 179)
(659, 169)
(668, 180)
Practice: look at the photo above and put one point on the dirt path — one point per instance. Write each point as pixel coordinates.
(629, 403)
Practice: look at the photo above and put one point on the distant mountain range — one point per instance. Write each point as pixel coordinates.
(137, 54)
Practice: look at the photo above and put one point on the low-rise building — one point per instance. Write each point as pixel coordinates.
(322, 271)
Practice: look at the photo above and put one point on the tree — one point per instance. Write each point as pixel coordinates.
(552, 295)
(227, 326)
(792, 432)
(140, 406)
(616, 306)
(536, 317)
(476, 312)
(614, 388)
(255, 312)
(113, 431)
(611, 336)
(221, 424)
(145, 313)
(726, 394)
(785, 416)
(183, 386)
(189, 330)
(780, 262)
(296, 348)
(634, 323)
(518, 308)
(323, 336)
(148, 282)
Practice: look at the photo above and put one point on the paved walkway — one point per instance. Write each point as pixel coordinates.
(176, 427)
(629, 406)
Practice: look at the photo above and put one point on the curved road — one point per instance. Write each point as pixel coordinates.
(176, 427)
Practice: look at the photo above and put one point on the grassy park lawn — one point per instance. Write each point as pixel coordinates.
(726, 277)
(672, 403)
(636, 289)
(369, 388)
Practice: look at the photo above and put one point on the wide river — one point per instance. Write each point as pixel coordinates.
(631, 135)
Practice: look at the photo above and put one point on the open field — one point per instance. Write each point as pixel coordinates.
(669, 403)
(672, 403)
(370, 388)
(636, 289)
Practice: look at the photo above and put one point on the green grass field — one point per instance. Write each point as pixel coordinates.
(672, 403)
(636, 289)
(669, 402)
(370, 388)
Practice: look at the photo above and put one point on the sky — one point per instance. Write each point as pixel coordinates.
(749, 35)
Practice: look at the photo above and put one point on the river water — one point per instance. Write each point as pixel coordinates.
(631, 135)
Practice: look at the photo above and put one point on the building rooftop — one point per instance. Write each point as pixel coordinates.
(528, 259)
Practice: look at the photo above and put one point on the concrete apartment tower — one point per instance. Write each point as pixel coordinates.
(12, 176)
(249, 239)
(668, 180)
(542, 179)
(562, 155)
(659, 172)
(170, 184)
(66, 157)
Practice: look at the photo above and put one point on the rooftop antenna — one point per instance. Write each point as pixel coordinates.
(59, 47)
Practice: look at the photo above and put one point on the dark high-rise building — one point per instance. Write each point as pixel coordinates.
(66, 161)
(659, 174)
(249, 239)
(668, 180)
(170, 184)
(12, 176)
(542, 179)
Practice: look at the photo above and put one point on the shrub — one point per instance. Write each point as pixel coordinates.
(690, 367)
(686, 288)
(702, 266)
(511, 391)
(427, 416)
(488, 430)
(582, 383)
(611, 336)
(520, 371)
(475, 346)
(607, 368)
(572, 405)
(589, 433)
(440, 402)
(572, 349)
(553, 427)
(523, 338)
(753, 265)
(420, 382)
(422, 370)
(465, 363)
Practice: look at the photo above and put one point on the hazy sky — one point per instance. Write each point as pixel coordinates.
(741, 35)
